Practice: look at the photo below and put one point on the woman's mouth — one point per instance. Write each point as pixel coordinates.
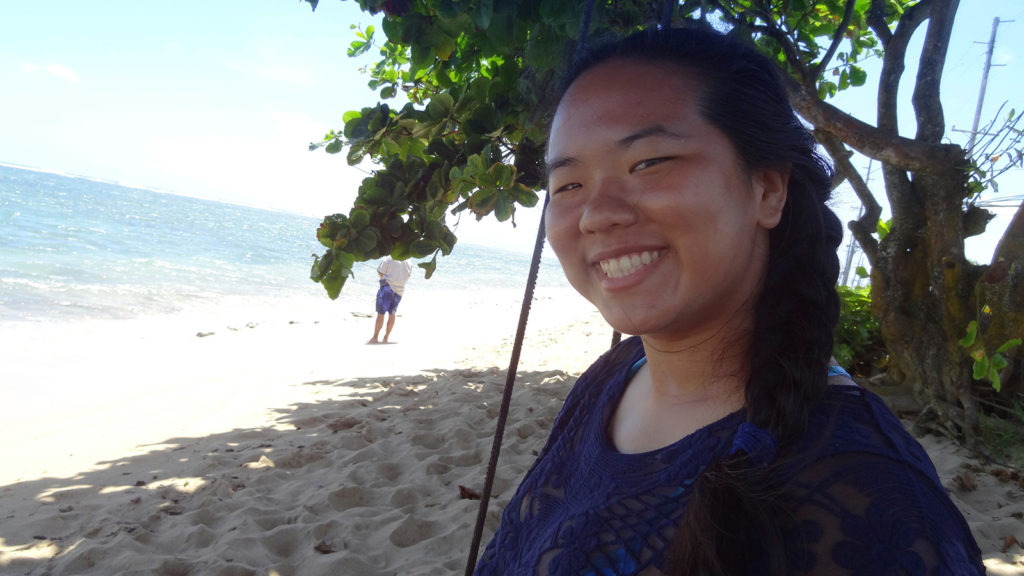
(628, 263)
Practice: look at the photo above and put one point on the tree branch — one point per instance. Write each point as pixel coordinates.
(884, 146)
(876, 20)
(771, 30)
(893, 64)
(864, 227)
(1011, 246)
(837, 39)
(931, 123)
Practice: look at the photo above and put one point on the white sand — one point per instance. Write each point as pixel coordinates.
(291, 447)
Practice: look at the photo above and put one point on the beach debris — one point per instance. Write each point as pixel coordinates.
(323, 547)
(468, 493)
(263, 462)
(1004, 475)
(965, 482)
(344, 423)
(136, 500)
(204, 334)
(39, 537)
(140, 482)
(1010, 541)
(362, 315)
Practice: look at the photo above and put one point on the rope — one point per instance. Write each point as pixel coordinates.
(510, 376)
(506, 398)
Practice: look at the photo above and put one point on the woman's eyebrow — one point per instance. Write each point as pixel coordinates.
(560, 163)
(653, 131)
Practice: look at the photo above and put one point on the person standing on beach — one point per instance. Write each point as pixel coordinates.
(393, 276)
(687, 202)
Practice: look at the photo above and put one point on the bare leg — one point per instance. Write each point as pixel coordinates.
(376, 329)
(391, 324)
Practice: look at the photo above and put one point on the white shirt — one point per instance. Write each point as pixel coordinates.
(396, 273)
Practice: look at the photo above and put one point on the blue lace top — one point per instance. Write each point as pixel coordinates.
(865, 501)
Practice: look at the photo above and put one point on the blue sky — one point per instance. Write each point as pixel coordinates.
(221, 99)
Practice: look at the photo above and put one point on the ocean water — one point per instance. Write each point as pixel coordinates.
(79, 249)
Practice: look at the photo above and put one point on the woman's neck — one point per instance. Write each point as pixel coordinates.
(679, 390)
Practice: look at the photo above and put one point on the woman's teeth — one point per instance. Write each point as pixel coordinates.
(628, 264)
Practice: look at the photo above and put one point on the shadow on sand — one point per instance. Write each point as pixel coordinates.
(368, 484)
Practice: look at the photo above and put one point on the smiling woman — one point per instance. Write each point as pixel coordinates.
(688, 205)
(663, 182)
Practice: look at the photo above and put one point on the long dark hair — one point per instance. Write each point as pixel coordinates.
(734, 516)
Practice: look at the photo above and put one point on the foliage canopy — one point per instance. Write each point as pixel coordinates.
(478, 77)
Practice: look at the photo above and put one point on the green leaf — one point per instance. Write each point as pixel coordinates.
(524, 196)
(334, 147)
(858, 76)
(1008, 345)
(862, 272)
(997, 383)
(972, 334)
(359, 218)
(475, 166)
(367, 240)
(981, 368)
(429, 267)
(844, 80)
(503, 207)
(482, 201)
(358, 47)
(421, 249)
(334, 282)
(440, 106)
(883, 228)
(504, 175)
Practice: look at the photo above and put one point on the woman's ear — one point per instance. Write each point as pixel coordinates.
(772, 186)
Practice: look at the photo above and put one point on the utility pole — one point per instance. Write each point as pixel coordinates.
(984, 82)
(851, 248)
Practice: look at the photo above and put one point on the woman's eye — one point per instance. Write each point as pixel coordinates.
(566, 187)
(644, 164)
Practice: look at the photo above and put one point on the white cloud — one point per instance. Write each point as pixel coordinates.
(52, 69)
(62, 72)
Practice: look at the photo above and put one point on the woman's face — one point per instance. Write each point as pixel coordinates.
(652, 215)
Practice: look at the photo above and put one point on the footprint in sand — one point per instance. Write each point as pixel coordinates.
(412, 531)
(350, 497)
(405, 496)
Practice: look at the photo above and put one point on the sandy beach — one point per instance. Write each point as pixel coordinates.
(279, 443)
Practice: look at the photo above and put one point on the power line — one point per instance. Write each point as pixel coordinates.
(984, 83)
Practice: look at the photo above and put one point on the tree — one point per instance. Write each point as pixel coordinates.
(478, 75)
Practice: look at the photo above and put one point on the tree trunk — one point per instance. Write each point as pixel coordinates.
(922, 294)
(1001, 288)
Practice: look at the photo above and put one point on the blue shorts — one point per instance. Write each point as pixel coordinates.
(387, 300)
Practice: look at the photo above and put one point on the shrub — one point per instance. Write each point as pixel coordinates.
(858, 345)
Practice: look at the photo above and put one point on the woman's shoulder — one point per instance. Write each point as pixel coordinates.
(861, 478)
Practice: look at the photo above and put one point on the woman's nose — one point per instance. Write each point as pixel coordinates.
(611, 204)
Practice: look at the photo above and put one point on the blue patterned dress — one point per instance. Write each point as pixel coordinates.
(865, 500)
